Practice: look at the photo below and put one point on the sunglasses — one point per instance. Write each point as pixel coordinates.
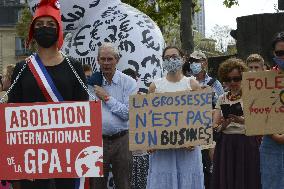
(279, 53)
(234, 79)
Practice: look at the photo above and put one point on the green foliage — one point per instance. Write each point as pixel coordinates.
(160, 16)
(171, 32)
(23, 26)
(167, 8)
(24, 23)
(230, 3)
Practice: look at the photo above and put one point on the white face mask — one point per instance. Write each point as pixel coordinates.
(196, 68)
(173, 65)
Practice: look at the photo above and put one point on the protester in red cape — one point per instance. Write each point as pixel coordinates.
(114, 91)
(175, 168)
(236, 156)
(46, 30)
(272, 147)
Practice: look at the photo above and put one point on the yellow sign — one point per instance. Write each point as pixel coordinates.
(263, 97)
(170, 120)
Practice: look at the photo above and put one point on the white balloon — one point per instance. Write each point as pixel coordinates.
(92, 22)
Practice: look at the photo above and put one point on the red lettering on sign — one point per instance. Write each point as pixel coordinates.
(278, 81)
(14, 120)
(70, 115)
(55, 110)
(250, 80)
(24, 119)
(81, 114)
(258, 84)
(266, 85)
(34, 117)
(41, 118)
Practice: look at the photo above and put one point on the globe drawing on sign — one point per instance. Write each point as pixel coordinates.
(89, 162)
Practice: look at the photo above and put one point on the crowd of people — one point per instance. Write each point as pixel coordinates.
(236, 161)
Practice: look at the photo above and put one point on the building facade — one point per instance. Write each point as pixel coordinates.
(199, 19)
(11, 47)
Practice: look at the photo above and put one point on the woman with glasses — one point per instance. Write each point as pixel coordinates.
(236, 156)
(272, 147)
(175, 168)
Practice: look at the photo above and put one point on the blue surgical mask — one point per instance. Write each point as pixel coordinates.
(173, 64)
(279, 62)
(196, 68)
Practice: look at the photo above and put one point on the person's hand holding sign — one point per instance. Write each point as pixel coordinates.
(236, 119)
(190, 148)
(224, 123)
(279, 138)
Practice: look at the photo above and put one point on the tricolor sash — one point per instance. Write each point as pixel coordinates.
(51, 94)
(43, 79)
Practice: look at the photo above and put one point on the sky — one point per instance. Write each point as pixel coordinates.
(217, 13)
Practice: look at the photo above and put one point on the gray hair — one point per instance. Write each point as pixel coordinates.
(110, 46)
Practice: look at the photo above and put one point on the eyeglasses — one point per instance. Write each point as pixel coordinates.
(234, 79)
(174, 56)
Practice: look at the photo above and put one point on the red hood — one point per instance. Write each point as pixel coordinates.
(48, 8)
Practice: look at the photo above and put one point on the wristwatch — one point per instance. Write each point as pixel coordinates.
(106, 98)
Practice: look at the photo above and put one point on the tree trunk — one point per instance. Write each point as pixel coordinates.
(186, 36)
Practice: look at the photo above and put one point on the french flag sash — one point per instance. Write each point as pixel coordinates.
(43, 79)
(51, 94)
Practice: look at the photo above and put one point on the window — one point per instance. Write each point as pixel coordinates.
(20, 49)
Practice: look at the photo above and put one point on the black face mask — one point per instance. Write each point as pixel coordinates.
(45, 36)
(279, 53)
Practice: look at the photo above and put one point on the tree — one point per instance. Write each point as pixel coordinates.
(23, 25)
(230, 3)
(186, 34)
(206, 45)
(172, 9)
(222, 36)
(171, 32)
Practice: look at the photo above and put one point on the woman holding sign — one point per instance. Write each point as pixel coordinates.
(48, 69)
(236, 156)
(175, 168)
(272, 147)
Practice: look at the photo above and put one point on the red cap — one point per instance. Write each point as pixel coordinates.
(48, 8)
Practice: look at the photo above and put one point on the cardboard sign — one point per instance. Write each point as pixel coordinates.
(263, 97)
(51, 140)
(170, 120)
